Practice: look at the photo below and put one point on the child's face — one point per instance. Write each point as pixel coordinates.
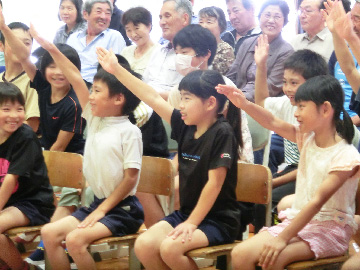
(308, 115)
(291, 82)
(102, 105)
(55, 77)
(12, 116)
(25, 37)
(68, 12)
(192, 108)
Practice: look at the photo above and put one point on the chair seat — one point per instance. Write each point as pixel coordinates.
(212, 252)
(335, 263)
(121, 239)
(18, 230)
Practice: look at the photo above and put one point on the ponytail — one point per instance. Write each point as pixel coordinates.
(234, 118)
(345, 127)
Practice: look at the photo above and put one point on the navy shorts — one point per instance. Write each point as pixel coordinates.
(125, 218)
(213, 231)
(37, 215)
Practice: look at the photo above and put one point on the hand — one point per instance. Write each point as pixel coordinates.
(91, 219)
(341, 22)
(107, 59)
(233, 94)
(329, 14)
(2, 19)
(271, 251)
(261, 50)
(185, 230)
(42, 42)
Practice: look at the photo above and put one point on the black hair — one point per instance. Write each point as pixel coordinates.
(217, 13)
(116, 87)
(202, 84)
(137, 15)
(78, 5)
(1, 3)
(307, 63)
(198, 38)
(10, 92)
(326, 88)
(16, 25)
(281, 4)
(66, 50)
(122, 61)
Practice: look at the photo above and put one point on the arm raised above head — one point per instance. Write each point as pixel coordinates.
(261, 56)
(144, 92)
(70, 71)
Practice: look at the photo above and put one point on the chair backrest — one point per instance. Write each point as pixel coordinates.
(64, 169)
(254, 184)
(157, 177)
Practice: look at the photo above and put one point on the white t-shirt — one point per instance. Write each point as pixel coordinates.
(112, 145)
(282, 108)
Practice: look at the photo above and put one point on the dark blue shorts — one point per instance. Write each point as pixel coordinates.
(214, 233)
(125, 218)
(33, 213)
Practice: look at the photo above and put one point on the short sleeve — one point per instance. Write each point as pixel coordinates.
(176, 125)
(133, 149)
(39, 82)
(72, 121)
(347, 159)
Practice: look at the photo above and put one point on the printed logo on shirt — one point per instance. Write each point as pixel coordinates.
(190, 157)
(4, 167)
(55, 117)
(225, 155)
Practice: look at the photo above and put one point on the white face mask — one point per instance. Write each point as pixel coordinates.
(183, 64)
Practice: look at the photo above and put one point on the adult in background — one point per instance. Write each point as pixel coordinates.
(116, 23)
(138, 24)
(317, 36)
(213, 18)
(242, 17)
(273, 16)
(97, 13)
(161, 73)
(70, 14)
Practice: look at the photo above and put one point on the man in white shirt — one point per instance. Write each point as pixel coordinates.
(161, 73)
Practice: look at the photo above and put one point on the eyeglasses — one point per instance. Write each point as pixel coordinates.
(276, 17)
(306, 12)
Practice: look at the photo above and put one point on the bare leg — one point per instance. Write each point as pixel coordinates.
(245, 256)
(285, 202)
(11, 217)
(173, 251)
(152, 208)
(147, 246)
(78, 241)
(53, 234)
(61, 212)
(353, 263)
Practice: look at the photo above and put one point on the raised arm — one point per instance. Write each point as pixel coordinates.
(144, 92)
(261, 56)
(335, 21)
(18, 48)
(260, 115)
(70, 71)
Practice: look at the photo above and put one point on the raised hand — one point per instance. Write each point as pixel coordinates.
(183, 230)
(261, 50)
(42, 42)
(2, 19)
(236, 96)
(107, 59)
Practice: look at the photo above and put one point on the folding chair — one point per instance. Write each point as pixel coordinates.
(254, 184)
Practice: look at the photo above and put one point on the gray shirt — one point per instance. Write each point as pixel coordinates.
(61, 35)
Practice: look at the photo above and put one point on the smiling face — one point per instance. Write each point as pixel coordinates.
(99, 18)
(271, 22)
(308, 115)
(192, 108)
(12, 116)
(139, 34)
(291, 82)
(55, 77)
(241, 18)
(68, 13)
(171, 21)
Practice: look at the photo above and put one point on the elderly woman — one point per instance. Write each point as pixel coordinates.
(138, 24)
(273, 16)
(70, 14)
(213, 18)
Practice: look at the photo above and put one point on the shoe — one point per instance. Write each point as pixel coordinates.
(29, 266)
(37, 257)
(26, 238)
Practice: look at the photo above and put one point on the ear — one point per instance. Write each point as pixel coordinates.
(207, 56)
(186, 19)
(212, 103)
(85, 15)
(119, 99)
(327, 109)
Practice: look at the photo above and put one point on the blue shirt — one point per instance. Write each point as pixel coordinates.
(108, 39)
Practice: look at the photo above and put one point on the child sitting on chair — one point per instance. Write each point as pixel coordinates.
(26, 197)
(112, 163)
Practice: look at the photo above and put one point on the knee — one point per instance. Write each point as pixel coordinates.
(49, 234)
(144, 245)
(169, 252)
(75, 244)
(239, 255)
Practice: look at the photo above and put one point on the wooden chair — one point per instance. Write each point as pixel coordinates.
(327, 263)
(157, 177)
(254, 184)
(64, 170)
